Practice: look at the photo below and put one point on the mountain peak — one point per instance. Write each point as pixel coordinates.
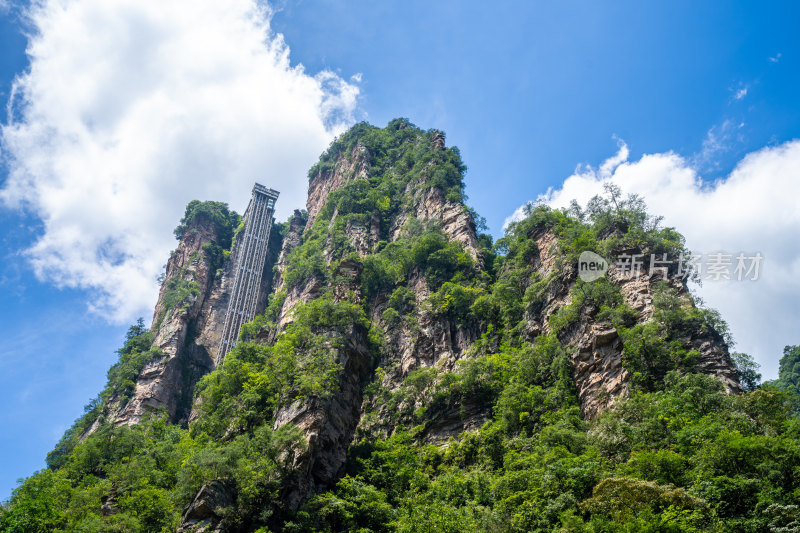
(397, 355)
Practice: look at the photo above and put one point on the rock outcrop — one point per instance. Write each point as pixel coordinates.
(436, 341)
(206, 512)
(431, 340)
(431, 204)
(596, 355)
(329, 426)
(392, 338)
(184, 333)
(187, 325)
(348, 167)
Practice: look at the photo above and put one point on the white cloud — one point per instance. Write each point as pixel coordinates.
(132, 108)
(776, 58)
(741, 93)
(754, 209)
(718, 140)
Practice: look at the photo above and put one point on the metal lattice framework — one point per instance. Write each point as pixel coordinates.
(249, 257)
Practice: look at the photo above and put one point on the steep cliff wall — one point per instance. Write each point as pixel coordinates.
(407, 370)
(166, 383)
(596, 348)
(385, 231)
(329, 426)
(188, 317)
(426, 334)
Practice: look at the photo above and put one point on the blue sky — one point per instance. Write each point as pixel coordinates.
(130, 109)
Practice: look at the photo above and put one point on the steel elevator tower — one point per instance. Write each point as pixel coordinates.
(249, 257)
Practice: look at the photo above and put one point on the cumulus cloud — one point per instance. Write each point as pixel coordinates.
(132, 108)
(753, 209)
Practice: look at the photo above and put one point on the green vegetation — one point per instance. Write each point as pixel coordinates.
(678, 454)
(223, 220)
(789, 370)
(153, 469)
(399, 159)
(789, 375)
(179, 292)
(245, 392)
(398, 153)
(609, 225)
(686, 458)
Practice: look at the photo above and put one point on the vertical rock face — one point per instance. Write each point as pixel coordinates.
(345, 238)
(597, 350)
(185, 331)
(187, 325)
(205, 513)
(435, 340)
(329, 426)
(431, 204)
(211, 318)
(348, 167)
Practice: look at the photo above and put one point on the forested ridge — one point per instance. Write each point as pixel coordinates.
(492, 433)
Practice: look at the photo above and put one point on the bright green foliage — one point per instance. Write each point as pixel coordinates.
(179, 292)
(225, 224)
(789, 370)
(789, 375)
(679, 454)
(154, 469)
(687, 458)
(424, 250)
(217, 213)
(622, 498)
(747, 369)
(135, 353)
(608, 226)
(399, 149)
(353, 505)
(400, 159)
(600, 296)
(653, 348)
(256, 378)
(306, 262)
(456, 301)
(39, 504)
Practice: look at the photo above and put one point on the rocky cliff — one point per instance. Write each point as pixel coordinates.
(186, 331)
(336, 247)
(393, 331)
(596, 348)
(188, 317)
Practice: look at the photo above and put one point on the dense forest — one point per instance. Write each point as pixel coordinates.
(678, 451)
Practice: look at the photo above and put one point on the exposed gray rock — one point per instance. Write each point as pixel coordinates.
(348, 167)
(596, 350)
(329, 425)
(165, 384)
(187, 335)
(108, 506)
(205, 513)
